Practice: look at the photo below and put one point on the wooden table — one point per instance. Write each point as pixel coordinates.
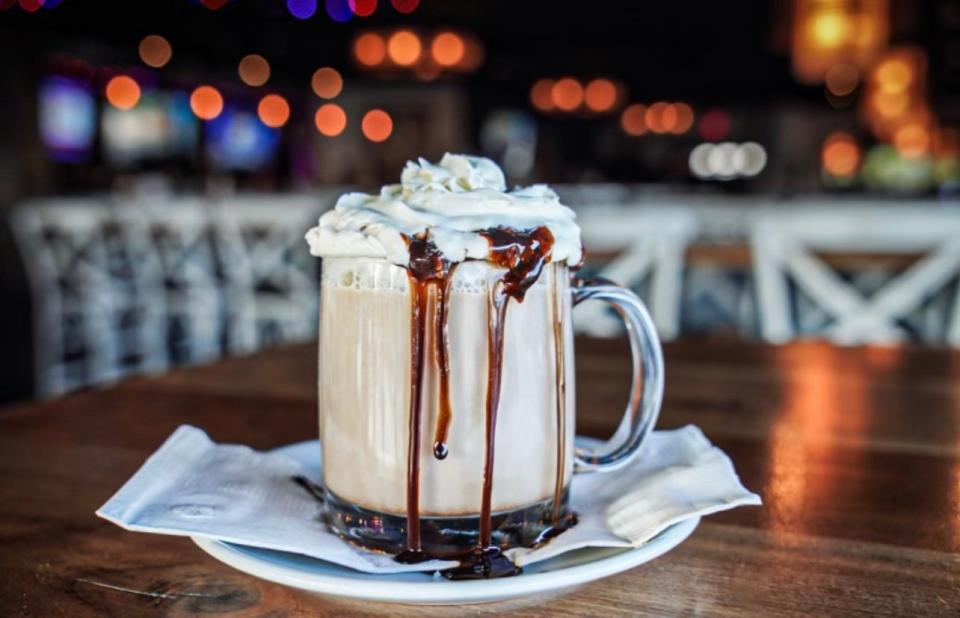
(855, 452)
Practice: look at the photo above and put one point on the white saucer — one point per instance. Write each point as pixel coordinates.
(564, 571)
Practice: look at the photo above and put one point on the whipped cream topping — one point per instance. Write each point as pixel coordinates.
(452, 202)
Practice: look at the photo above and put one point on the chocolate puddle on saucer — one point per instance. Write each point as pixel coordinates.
(524, 254)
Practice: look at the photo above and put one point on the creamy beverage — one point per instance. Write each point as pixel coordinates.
(363, 409)
(446, 397)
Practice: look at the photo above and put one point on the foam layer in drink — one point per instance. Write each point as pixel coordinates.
(365, 391)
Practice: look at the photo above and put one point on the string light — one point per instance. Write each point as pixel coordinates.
(840, 154)
(155, 51)
(206, 102)
(376, 125)
(541, 95)
(370, 49)
(404, 47)
(567, 94)
(330, 119)
(362, 8)
(600, 95)
(254, 70)
(273, 111)
(326, 82)
(447, 49)
(405, 6)
(123, 92)
(302, 9)
(338, 10)
(633, 119)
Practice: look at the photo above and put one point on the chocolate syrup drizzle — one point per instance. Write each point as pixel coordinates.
(523, 253)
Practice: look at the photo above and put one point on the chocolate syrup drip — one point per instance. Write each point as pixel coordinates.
(523, 254)
(445, 410)
(426, 268)
(560, 371)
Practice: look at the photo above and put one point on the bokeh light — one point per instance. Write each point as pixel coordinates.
(362, 8)
(326, 82)
(633, 119)
(338, 10)
(213, 5)
(893, 75)
(600, 95)
(405, 6)
(370, 49)
(912, 140)
(829, 29)
(376, 125)
(447, 49)
(254, 70)
(684, 118)
(302, 9)
(330, 119)
(31, 6)
(890, 104)
(206, 102)
(155, 51)
(567, 94)
(660, 117)
(842, 79)
(123, 92)
(840, 155)
(541, 95)
(404, 47)
(715, 125)
(273, 111)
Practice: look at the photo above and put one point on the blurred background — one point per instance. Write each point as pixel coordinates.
(762, 170)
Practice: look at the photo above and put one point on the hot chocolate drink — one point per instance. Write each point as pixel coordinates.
(446, 365)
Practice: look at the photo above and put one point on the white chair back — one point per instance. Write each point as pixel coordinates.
(785, 247)
(651, 243)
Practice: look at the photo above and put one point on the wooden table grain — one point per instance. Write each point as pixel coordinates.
(856, 453)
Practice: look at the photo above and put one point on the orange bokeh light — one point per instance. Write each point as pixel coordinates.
(634, 119)
(370, 49)
(842, 79)
(447, 49)
(840, 155)
(273, 110)
(155, 51)
(893, 75)
(659, 115)
(326, 82)
(123, 92)
(254, 70)
(206, 102)
(600, 95)
(330, 119)
(404, 47)
(567, 94)
(912, 140)
(376, 125)
(541, 95)
(684, 118)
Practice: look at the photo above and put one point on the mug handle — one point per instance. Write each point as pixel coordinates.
(646, 390)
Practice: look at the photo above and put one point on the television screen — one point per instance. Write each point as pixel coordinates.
(160, 126)
(237, 140)
(67, 116)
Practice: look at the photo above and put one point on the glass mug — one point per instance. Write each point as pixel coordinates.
(365, 415)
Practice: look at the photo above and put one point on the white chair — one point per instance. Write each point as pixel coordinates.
(272, 277)
(651, 243)
(785, 245)
(178, 265)
(74, 301)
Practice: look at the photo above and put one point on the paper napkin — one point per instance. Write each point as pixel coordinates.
(194, 487)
